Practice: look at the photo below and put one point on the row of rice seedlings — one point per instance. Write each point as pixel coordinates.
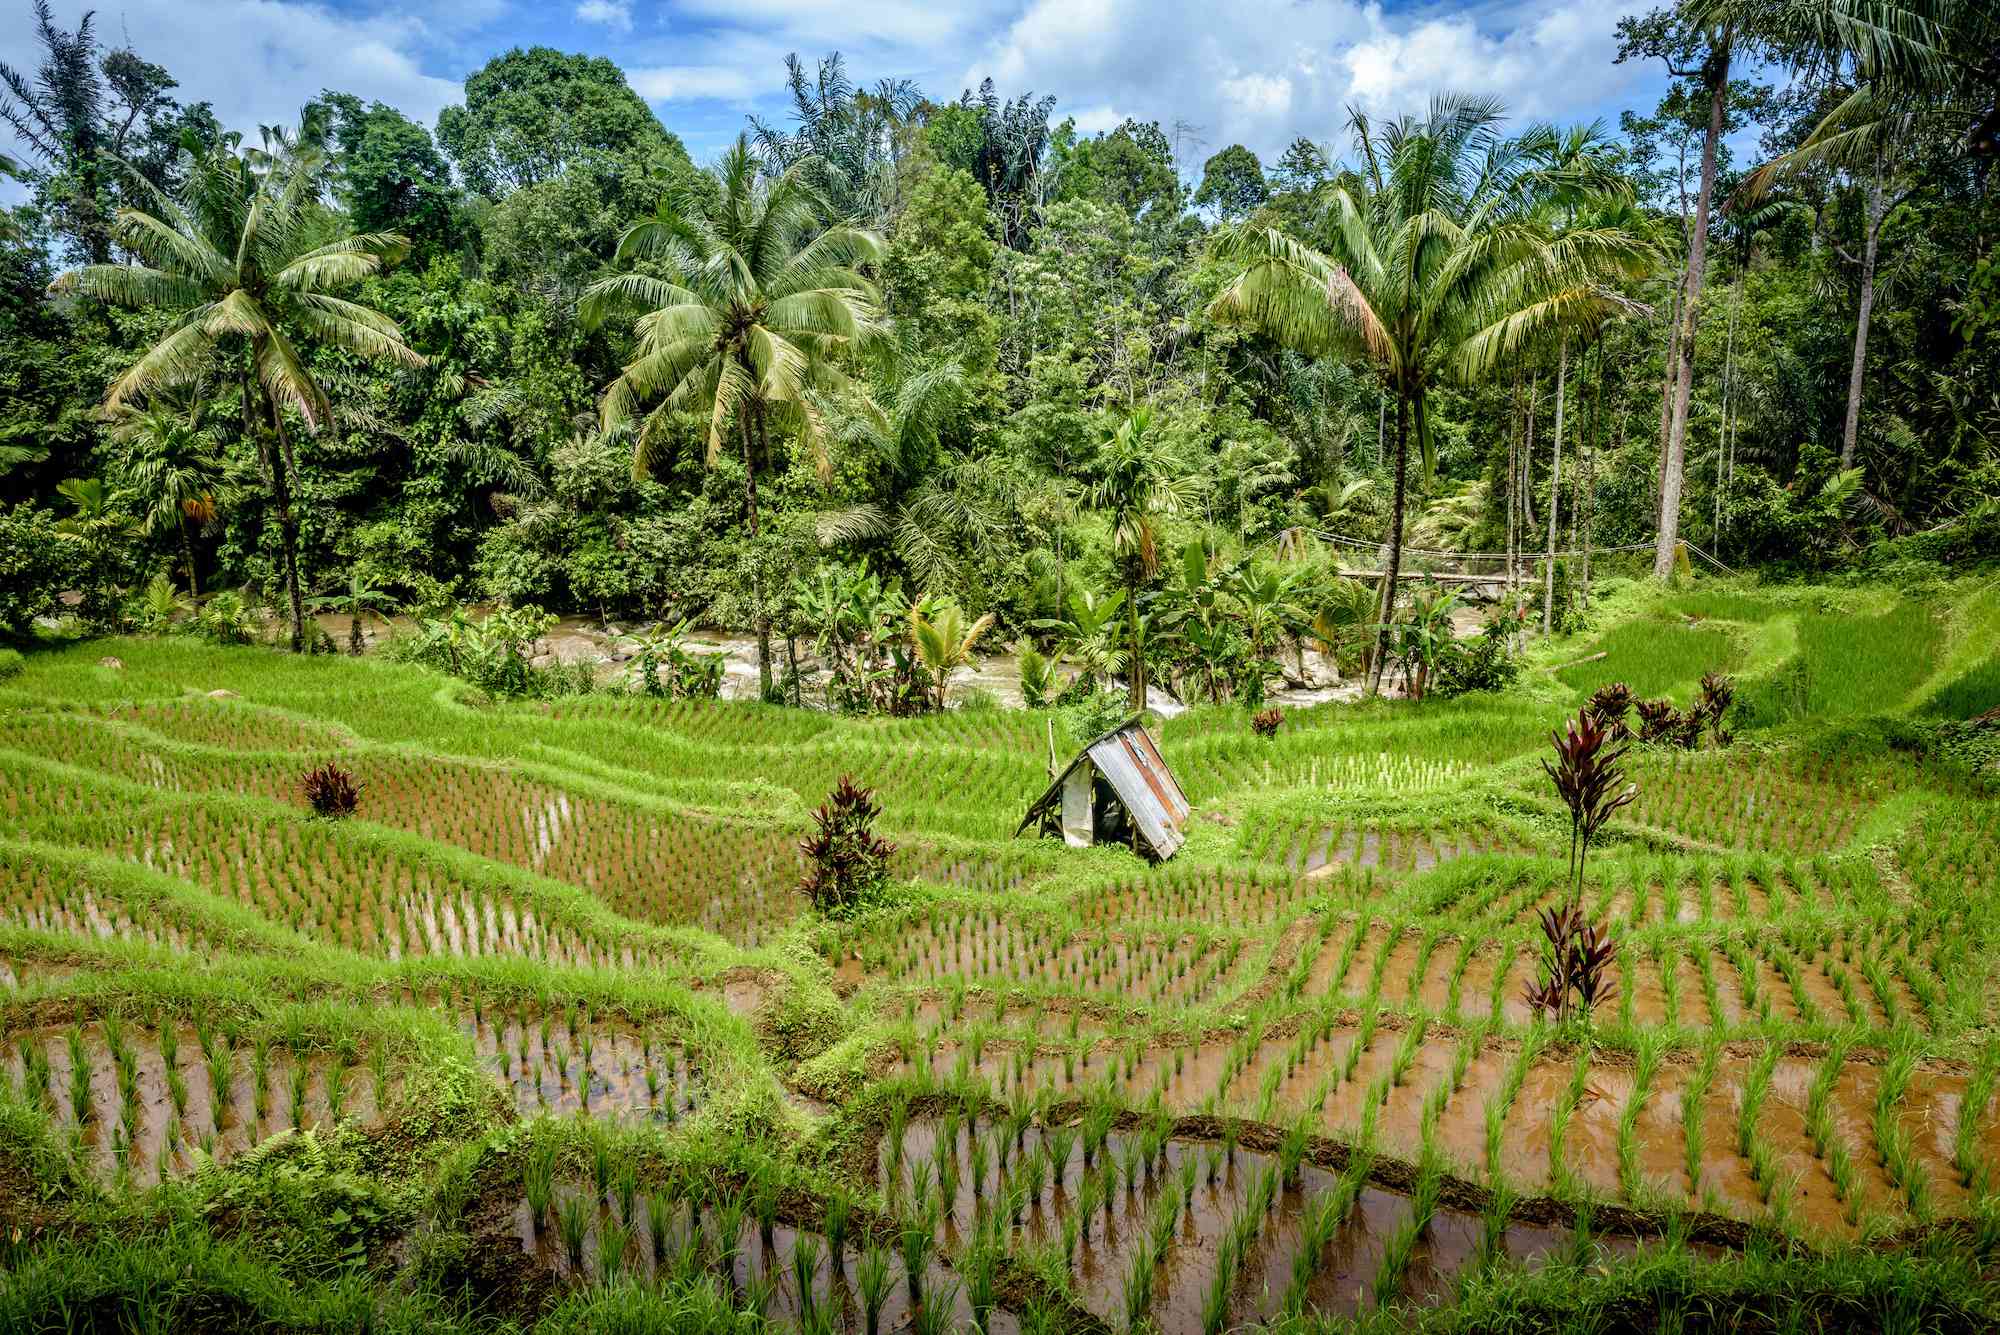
(145, 1099)
(734, 880)
(1234, 896)
(1646, 1067)
(1309, 847)
(1502, 1100)
(303, 875)
(1224, 763)
(686, 1233)
(1974, 1164)
(562, 1062)
(1805, 804)
(1952, 848)
(1827, 1145)
(31, 898)
(137, 756)
(1561, 1181)
(1774, 1184)
(1147, 969)
(1694, 1122)
(1894, 1145)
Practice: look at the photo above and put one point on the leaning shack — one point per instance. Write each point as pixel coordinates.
(1116, 791)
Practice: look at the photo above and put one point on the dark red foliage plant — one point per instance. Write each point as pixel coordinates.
(1659, 721)
(1577, 954)
(1609, 705)
(1265, 722)
(330, 791)
(846, 861)
(1576, 964)
(1592, 785)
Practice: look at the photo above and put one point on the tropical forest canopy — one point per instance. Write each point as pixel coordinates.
(954, 348)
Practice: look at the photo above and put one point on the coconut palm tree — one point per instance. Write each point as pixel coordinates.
(1438, 266)
(246, 263)
(758, 303)
(1137, 486)
(171, 469)
(943, 641)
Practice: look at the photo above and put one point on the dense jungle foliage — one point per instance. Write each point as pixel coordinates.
(903, 348)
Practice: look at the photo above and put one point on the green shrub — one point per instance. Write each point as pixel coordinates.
(35, 564)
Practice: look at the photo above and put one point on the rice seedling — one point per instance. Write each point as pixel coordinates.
(871, 1280)
(574, 1215)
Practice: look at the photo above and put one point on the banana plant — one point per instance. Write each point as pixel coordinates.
(362, 594)
(1088, 636)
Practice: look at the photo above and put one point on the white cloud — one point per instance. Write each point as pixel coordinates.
(613, 14)
(259, 61)
(817, 25)
(682, 83)
(1260, 72)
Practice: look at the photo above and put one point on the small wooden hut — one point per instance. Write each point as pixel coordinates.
(1116, 791)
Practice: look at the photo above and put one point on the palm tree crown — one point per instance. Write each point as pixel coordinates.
(743, 303)
(1439, 262)
(248, 262)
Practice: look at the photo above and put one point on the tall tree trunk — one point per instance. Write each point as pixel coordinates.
(277, 457)
(1387, 602)
(1869, 243)
(1135, 662)
(1513, 483)
(1381, 423)
(1587, 474)
(1728, 389)
(1528, 462)
(1668, 372)
(187, 554)
(1555, 482)
(760, 622)
(1673, 473)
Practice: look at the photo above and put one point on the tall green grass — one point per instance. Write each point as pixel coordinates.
(1846, 666)
(1656, 657)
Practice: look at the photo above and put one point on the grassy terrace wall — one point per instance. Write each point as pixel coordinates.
(544, 1035)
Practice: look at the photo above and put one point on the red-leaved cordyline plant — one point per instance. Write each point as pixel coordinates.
(330, 791)
(1576, 955)
(1577, 958)
(1718, 692)
(1265, 722)
(1659, 721)
(845, 860)
(1609, 705)
(1592, 786)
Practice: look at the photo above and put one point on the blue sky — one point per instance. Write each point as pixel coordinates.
(1254, 71)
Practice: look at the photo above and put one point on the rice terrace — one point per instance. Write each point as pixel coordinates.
(1301, 666)
(547, 1010)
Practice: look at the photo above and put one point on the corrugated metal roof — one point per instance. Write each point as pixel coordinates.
(1131, 764)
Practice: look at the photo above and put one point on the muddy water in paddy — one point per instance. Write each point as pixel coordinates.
(143, 1109)
(1209, 1187)
(629, 1076)
(756, 1266)
(1339, 1088)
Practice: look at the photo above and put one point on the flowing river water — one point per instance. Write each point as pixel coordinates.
(580, 639)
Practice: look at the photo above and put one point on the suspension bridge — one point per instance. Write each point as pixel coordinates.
(1479, 574)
